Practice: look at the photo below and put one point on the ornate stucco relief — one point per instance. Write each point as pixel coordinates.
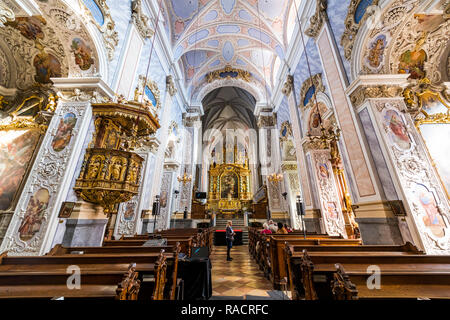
(417, 178)
(50, 173)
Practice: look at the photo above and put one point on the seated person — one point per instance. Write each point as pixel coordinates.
(281, 229)
(266, 229)
(288, 229)
(272, 226)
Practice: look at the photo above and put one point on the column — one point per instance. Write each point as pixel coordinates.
(49, 180)
(270, 164)
(167, 195)
(377, 218)
(424, 205)
(163, 138)
(361, 172)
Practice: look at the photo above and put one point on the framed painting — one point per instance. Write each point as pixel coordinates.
(18, 149)
(34, 214)
(396, 129)
(66, 209)
(229, 186)
(427, 206)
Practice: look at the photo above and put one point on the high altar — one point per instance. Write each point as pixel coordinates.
(229, 183)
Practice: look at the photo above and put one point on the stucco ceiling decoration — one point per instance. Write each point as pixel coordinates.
(246, 34)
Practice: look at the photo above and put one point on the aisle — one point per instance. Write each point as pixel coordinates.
(240, 278)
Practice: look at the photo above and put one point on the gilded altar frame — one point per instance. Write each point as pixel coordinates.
(216, 199)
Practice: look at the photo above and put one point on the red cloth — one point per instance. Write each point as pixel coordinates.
(266, 231)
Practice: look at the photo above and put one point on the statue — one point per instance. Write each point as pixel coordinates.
(94, 168)
(116, 169)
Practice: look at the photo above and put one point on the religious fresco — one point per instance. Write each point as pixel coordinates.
(323, 170)
(163, 199)
(29, 27)
(47, 66)
(428, 22)
(396, 129)
(431, 217)
(32, 221)
(437, 141)
(129, 211)
(413, 61)
(64, 132)
(332, 210)
(82, 53)
(16, 151)
(376, 52)
(229, 186)
(431, 103)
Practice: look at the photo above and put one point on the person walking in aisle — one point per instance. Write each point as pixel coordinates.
(230, 238)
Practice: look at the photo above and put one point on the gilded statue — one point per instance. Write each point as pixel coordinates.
(115, 169)
(52, 101)
(132, 176)
(94, 168)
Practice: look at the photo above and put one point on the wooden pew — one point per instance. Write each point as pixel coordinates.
(343, 275)
(186, 243)
(271, 257)
(51, 284)
(295, 264)
(171, 253)
(148, 264)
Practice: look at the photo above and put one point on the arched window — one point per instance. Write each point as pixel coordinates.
(96, 12)
(361, 9)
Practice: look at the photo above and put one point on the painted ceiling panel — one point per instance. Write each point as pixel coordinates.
(228, 32)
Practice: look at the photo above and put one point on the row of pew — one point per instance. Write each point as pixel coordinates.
(121, 269)
(321, 267)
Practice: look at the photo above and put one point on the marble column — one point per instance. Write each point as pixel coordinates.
(361, 174)
(167, 196)
(163, 137)
(271, 163)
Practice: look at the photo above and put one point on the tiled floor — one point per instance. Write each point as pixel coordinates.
(237, 278)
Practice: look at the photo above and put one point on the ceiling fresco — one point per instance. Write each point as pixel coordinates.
(209, 35)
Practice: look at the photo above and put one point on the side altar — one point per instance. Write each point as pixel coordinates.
(229, 184)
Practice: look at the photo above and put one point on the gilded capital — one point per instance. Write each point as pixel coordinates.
(361, 94)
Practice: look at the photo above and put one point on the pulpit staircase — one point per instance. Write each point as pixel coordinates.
(238, 223)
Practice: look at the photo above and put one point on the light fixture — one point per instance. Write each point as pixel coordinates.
(185, 178)
(275, 177)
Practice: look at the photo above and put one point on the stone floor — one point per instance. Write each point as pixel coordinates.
(240, 278)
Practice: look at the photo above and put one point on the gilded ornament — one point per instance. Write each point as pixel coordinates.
(228, 72)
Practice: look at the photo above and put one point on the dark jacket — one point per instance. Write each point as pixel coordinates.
(229, 233)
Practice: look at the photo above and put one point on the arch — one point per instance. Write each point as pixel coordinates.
(253, 88)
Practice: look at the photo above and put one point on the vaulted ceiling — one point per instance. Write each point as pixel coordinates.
(229, 108)
(251, 35)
